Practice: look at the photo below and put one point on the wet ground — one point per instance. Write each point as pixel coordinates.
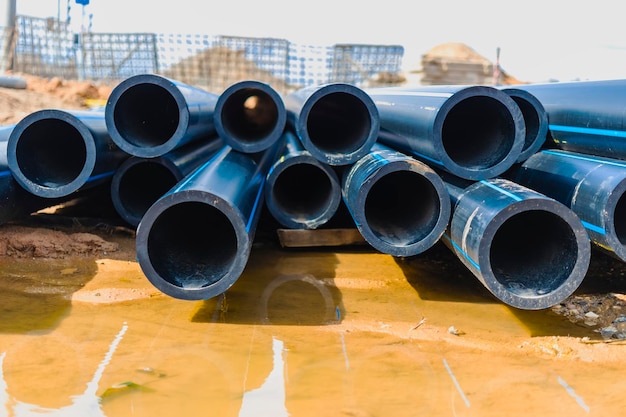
(303, 332)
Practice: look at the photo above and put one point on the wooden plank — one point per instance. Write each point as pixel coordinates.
(296, 238)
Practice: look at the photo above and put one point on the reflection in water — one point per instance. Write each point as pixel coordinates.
(269, 399)
(86, 404)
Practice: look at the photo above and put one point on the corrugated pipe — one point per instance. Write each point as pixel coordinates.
(400, 205)
(593, 187)
(337, 123)
(148, 115)
(301, 192)
(194, 242)
(54, 153)
(473, 132)
(250, 116)
(140, 182)
(585, 116)
(530, 251)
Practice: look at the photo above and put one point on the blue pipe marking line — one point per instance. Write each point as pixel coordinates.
(5, 173)
(587, 158)
(502, 190)
(100, 176)
(573, 394)
(456, 383)
(589, 131)
(465, 255)
(434, 161)
(593, 227)
(257, 201)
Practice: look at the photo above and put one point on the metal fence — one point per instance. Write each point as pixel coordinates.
(47, 48)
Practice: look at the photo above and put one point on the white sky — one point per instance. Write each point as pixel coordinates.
(539, 39)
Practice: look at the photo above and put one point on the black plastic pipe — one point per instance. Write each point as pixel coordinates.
(473, 132)
(592, 187)
(337, 123)
(301, 192)
(140, 182)
(54, 153)
(250, 116)
(148, 115)
(535, 120)
(585, 116)
(400, 205)
(195, 241)
(530, 251)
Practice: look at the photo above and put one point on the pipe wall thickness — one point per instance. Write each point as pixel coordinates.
(585, 116)
(149, 115)
(337, 123)
(301, 192)
(592, 187)
(530, 251)
(250, 116)
(140, 182)
(194, 242)
(473, 132)
(54, 153)
(400, 205)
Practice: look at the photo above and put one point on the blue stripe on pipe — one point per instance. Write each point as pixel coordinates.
(257, 201)
(589, 131)
(465, 255)
(5, 173)
(593, 227)
(503, 191)
(434, 161)
(100, 176)
(587, 158)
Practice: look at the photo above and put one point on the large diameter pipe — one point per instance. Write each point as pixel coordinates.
(140, 182)
(53, 153)
(400, 205)
(250, 116)
(301, 192)
(337, 123)
(149, 115)
(530, 251)
(473, 132)
(535, 121)
(195, 241)
(585, 116)
(592, 187)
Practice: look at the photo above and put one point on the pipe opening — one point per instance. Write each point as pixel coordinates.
(192, 245)
(249, 115)
(51, 152)
(619, 219)
(402, 208)
(303, 192)
(533, 253)
(142, 185)
(146, 115)
(478, 132)
(531, 121)
(338, 123)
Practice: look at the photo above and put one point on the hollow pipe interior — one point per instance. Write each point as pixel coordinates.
(146, 115)
(402, 208)
(192, 245)
(533, 253)
(51, 152)
(249, 114)
(303, 191)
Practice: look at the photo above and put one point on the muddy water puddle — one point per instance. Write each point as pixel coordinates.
(301, 333)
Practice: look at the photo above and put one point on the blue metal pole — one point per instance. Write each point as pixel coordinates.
(140, 182)
(301, 192)
(473, 132)
(54, 153)
(530, 251)
(337, 123)
(585, 116)
(195, 241)
(148, 115)
(400, 205)
(250, 116)
(593, 187)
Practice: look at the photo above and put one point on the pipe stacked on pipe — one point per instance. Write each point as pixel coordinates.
(472, 166)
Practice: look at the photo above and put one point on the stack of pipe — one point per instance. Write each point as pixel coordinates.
(516, 181)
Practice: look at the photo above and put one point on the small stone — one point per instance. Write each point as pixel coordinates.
(591, 315)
